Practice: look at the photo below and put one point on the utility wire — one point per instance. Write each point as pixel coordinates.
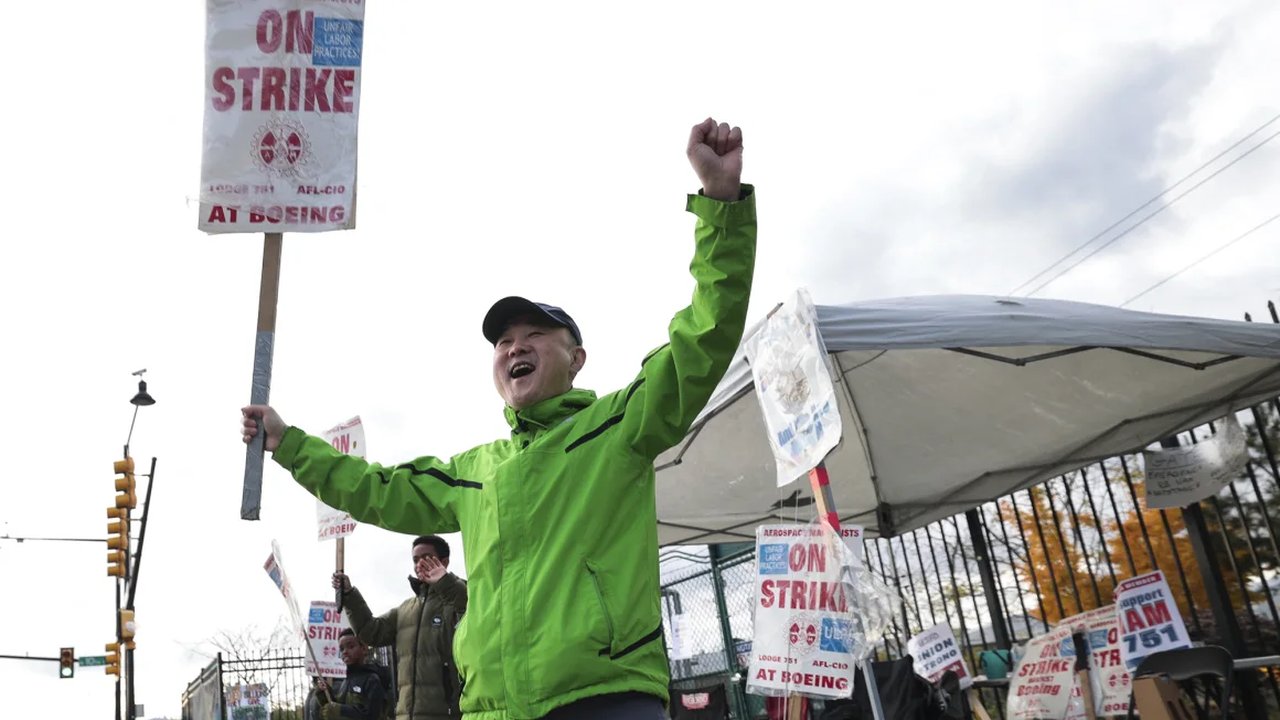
(1217, 250)
(51, 539)
(1162, 208)
(1143, 206)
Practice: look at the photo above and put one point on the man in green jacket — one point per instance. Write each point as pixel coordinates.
(422, 629)
(558, 521)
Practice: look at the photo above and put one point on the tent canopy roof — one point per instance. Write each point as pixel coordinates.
(954, 400)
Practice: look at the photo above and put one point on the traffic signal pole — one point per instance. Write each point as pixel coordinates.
(117, 613)
(132, 578)
(142, 537)
(134, 570)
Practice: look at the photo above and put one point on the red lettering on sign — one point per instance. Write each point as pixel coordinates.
(316, 89)
(296, 214)
(296, 29)
(811, 557)
(1156, 613)
(803, 595)
(221, 214)
(813, 680)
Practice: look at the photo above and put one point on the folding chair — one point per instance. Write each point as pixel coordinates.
(1208, 661)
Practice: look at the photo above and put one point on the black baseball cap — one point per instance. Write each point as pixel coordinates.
(509, 308)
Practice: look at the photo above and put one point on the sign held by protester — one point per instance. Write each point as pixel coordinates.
(348, 438)
(1178, 477)
(1148, 618)
(275, 570)
(324, 623)
(793, 384)
(281, 101)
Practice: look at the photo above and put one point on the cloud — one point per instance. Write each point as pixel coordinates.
(1020, 187)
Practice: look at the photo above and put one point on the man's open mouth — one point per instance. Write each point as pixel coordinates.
(520, 369)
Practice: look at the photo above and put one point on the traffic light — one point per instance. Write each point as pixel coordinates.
(113, 659)
(125, 485)
(67, 663)
(118, 527)
(117, 540)
(127, 628)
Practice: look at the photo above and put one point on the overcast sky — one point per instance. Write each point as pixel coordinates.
(538, 149)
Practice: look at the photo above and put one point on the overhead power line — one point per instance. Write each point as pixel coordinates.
(1215, 251)
(1162, 208)
(1146, 204)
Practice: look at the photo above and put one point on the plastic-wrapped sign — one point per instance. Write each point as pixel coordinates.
(1177, 477)
(793, 384)
(817, 613)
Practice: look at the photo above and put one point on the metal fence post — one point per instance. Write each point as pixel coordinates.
(995, 606)
(736, 694)
(1220, 601)
(1223, 614)
(222, 691)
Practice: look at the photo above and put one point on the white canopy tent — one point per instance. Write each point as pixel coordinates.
(952, 401)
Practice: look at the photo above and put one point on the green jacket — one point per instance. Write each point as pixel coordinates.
(422, 629)
(558, 521)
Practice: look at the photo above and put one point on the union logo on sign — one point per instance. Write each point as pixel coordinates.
(802, 633)
(281, 147)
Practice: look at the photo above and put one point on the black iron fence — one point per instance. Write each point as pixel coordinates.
(258, 684)
(202, 700)
(269, 685)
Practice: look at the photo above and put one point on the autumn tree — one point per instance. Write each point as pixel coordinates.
(1060, 559)
(1073, 561)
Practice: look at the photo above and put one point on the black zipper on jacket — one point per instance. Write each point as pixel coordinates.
(657, 632)
(413, 666)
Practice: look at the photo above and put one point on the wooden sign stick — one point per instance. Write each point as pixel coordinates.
(260, 394)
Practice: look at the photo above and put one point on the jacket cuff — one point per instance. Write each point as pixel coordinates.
(725, 214)
(290, 444)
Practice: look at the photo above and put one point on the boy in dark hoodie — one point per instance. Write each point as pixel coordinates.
(362, 694)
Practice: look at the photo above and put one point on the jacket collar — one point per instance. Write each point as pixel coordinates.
(547, 413)
(419, 587)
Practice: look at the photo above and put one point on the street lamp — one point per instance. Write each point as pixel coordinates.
(143, 397)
